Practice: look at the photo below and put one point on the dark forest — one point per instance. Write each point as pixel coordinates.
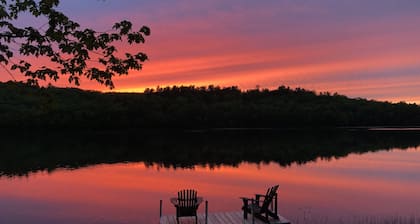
(190, 107)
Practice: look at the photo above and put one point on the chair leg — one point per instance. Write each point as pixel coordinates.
(177, 220)
(245, 208)
(196, 220)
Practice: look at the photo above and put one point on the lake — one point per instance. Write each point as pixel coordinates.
(103, 177)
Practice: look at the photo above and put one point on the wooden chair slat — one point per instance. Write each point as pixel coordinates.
(186, 204)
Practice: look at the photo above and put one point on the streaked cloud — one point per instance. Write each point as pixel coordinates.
(355, 47)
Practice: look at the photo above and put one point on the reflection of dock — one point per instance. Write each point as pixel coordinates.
(219, 218)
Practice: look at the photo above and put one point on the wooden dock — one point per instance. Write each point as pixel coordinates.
(219, 218)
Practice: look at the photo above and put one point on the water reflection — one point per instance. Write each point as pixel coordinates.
(346, 175)
(24, 153)
(377, 184)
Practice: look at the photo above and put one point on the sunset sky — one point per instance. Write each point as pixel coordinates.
(359, 48)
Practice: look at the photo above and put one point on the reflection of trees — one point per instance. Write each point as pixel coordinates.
(49, 151)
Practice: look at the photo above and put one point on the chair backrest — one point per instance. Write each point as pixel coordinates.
(271, 193)
(187, 198)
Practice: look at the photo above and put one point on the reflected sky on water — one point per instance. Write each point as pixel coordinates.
(382, 183)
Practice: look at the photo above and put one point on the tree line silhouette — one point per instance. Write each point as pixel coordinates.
(193, 107)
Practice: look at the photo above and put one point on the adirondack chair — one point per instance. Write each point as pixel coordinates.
(186, 204)
(263, 206)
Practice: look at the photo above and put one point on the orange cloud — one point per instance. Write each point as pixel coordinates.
(248, 46)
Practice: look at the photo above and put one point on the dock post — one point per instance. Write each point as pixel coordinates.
(207, 210)
(276, 205)
(252, 213)
(160, 210)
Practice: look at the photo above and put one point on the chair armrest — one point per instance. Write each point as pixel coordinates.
(199, 200)
(263, 195)
(247, 199)
(174, 201)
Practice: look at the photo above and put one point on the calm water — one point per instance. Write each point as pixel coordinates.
(335, 178)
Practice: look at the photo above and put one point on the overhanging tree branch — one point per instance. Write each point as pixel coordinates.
(68, 46)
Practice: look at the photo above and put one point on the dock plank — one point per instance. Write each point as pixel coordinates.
(219, 218)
